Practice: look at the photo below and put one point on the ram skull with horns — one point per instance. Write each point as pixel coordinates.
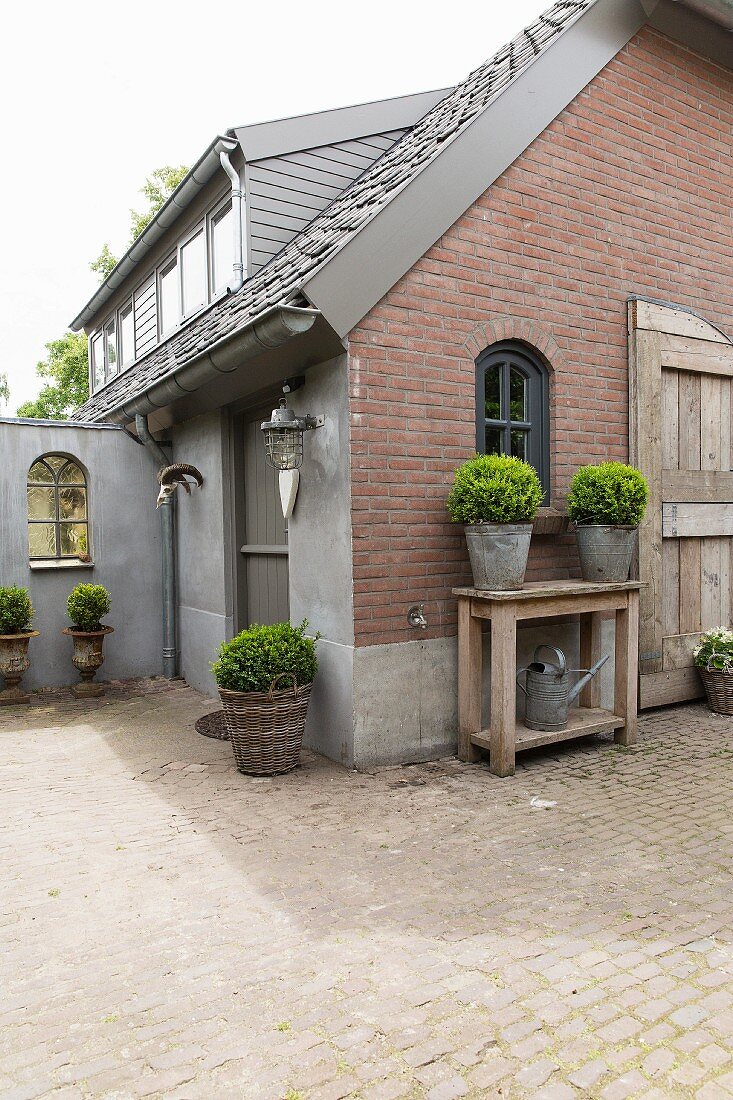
(170, 477)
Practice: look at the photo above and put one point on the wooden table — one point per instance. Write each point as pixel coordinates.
(541, 600)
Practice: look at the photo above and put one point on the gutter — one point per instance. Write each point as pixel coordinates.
(205, 167)
(273, 328)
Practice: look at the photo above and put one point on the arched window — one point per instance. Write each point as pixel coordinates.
(58, 522)
(512, 406)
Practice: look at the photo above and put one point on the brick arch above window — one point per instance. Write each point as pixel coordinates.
(521, 329)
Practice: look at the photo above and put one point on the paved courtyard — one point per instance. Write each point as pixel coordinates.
(172, 928)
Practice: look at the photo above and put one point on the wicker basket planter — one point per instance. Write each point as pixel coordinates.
(718, 686)
(266, 727)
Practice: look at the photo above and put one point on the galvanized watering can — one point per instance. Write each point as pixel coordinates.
(548, 690)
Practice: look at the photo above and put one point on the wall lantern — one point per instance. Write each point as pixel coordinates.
(284, 436)
(284, 446)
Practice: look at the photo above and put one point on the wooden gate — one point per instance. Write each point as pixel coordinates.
(680, 371)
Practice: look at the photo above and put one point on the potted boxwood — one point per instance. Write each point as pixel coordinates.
(607, 504)
(714, 660)
(264, 676)
(86, 605)
(16, 616)
(496, 497)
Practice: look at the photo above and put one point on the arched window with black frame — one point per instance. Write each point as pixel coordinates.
(512, 406)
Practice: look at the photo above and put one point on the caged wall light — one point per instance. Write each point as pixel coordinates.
(284, 436)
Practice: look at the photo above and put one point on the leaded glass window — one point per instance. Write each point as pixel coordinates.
(58, 519)
(512, 407)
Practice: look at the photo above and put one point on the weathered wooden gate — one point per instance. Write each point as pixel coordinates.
(680, 372)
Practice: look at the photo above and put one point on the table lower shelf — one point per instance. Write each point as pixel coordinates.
(582, 721)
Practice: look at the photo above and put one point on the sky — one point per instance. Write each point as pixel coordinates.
(95, 96)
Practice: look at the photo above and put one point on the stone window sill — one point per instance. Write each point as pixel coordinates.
(60, 563)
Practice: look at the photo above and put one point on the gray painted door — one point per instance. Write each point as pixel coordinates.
(262, 533)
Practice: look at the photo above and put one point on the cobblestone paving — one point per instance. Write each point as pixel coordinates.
(171, 928)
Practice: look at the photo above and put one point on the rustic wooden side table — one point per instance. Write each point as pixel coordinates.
(541, 600)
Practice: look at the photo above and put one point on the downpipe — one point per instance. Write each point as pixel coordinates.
(224, 148)
(168, 538)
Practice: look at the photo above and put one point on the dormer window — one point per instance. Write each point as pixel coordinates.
(127, 335)
(222, 250)
(97, 360)
(169, 310)
(110, 347)
(193, 273)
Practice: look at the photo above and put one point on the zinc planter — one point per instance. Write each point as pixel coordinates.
(266, 727)
(88, 657)
(498, 553)
(605, 552)
(13, 663)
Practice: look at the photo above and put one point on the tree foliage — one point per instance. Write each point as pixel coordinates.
(66, 372)
(104, 263)
(4, 389)
(66, 369)
(158, 187)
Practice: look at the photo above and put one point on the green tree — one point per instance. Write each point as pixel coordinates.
(4, 390)
(104, 263)
(158, 187)
(66, 369)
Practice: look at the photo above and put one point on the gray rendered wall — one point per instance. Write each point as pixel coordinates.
(321, 586)
(204, 548)
(125, 546)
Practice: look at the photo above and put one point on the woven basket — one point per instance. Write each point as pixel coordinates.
(719, 689)
(266, 727)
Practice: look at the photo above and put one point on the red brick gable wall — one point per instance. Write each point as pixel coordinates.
(627, 192)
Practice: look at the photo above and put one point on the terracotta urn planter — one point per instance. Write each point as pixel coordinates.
(88, 657)
(13, 663)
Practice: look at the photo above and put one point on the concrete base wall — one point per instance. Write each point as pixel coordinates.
(124, 544)
(330, 726)
(405, 694)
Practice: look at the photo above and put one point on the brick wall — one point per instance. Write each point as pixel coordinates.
(627, 192)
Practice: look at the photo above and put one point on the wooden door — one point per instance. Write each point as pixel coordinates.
(681, 371)
(261, 531)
